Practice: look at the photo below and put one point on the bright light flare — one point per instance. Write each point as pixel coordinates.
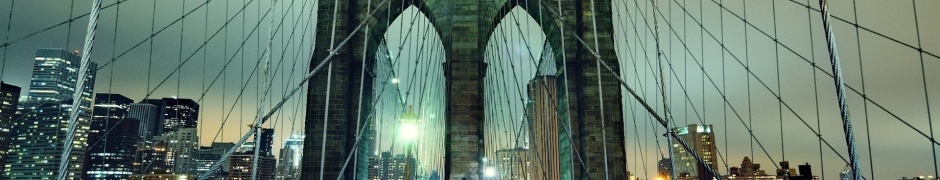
(394, 80)
(408, 132)
(489, 172)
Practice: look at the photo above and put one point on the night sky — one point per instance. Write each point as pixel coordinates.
(894, 75)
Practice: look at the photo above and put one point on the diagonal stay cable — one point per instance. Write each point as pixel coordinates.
(57, 25)
(150, 38)
(864, 96)
(560, 22)
(292, 92)
(856, 24)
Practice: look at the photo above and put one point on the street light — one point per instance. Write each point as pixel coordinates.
(489, 172)
(408, 132)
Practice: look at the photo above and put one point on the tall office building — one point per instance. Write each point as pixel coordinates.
(151, 123)
(664, 168)
(206, 156)
(288, 164)
(389, 167)
(514, 164)
(701, 139)
(241, 164)
(113, 139)
(180, 113)
(151, 159)
(182, 145)
(175, 113)
(39, 136)
(267, 142)
(543, 127)
(9, 95)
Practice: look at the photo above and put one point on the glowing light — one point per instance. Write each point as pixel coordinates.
(489, 172)
(409, 132)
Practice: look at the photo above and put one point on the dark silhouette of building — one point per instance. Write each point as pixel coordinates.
(267, 142)
(240, 166)
(664, 168)
(176, 113)
(113, 139)
(151, 119)
(388, 166)
(750, 170)
(151, 159)
(9, 95)
(206, 156)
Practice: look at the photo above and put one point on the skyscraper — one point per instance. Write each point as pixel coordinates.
(241, 164)
(151, 159)
(543, 127)
(151, 123)
(208, 155)
(701, 139)
(182, 145)
(514, 164)
(288, 164)
(35, 150)
(113, 139)
(8, 102)
(180, 113)
(664, 168)
(389, 167)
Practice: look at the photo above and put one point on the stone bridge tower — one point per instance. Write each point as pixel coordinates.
(465, 27)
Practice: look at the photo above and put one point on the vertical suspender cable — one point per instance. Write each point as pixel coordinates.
(600, 90)
(79, 89)
(257, 125)
(861, 67)
(362, 77)
(329, 77)
(662, 90)
(812, 50)
(840, 91)
(6, 41)
(923, 75)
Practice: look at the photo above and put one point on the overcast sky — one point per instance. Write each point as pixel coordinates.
(893, 73)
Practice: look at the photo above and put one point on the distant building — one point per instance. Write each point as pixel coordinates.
(151, 122)
(846, 173)
(514, 164)
(181, 149)
(288, 164)
(241, 164)
(267, 142)
(163, 177)
(206, 156)
(176, 113)
(9, 95)
(701, 139)
(113, 139)
(664, 168)
(544, 131)
(751, 171)
(151, 159)
(41, 132)
(389, 167)
(919, 178)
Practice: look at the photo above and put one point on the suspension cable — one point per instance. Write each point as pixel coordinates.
(292, 92)
(79, 89)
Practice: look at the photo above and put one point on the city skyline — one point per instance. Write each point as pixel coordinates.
(892, 75)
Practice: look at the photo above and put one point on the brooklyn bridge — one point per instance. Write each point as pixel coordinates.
(469, 89)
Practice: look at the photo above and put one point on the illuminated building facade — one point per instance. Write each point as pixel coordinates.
(40, 134)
